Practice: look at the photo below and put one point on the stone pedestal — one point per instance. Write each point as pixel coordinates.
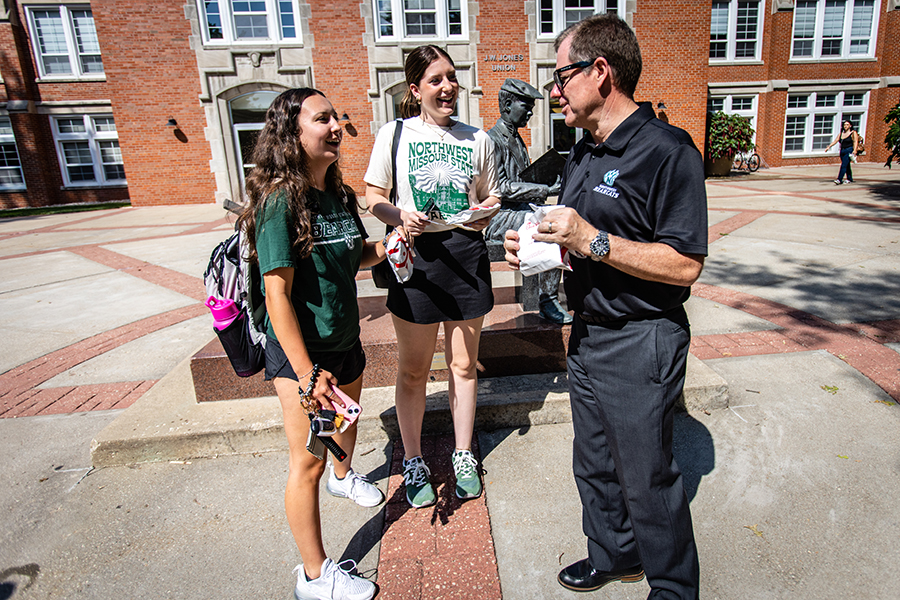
(528, 292)
(513, 342)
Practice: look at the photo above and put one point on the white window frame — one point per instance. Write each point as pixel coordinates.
(728, 107)
(96, 139)
(73, 51)
(399, 26)
(731, 40)
(837, 113)
(848, 33)
(271, 10)
(10, 155)
(555, 12)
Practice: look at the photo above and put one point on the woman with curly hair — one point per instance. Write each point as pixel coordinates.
(303, 228)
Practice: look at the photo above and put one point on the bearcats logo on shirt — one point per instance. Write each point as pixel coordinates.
(610, 177)
(608, 189)
(335, 228)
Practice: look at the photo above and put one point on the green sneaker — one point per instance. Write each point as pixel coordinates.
(468, 483)
(419, 492)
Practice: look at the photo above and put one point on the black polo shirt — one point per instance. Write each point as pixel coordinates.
(645, 183)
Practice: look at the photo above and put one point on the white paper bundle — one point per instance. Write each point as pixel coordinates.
(537, 257)
(476, 213)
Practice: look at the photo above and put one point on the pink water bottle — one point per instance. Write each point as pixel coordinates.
(223, 312)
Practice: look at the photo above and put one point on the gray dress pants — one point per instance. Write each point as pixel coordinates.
(624, 380)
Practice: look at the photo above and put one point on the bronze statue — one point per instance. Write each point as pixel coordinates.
(511, 158)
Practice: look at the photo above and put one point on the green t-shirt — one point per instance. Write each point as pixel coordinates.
(324, 288)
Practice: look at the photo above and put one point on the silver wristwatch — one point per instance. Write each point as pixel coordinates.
(600, 246)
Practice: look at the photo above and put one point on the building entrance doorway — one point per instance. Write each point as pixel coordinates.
(247, 113)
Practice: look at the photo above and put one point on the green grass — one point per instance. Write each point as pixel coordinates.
(54, 210)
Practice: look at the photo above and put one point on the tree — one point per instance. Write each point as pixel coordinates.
(892, 139)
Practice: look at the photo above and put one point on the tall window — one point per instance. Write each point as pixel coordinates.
(88, 149)
(248, 21)
(423, 19)
(556, 15)
(834, 29)
(735, 30)
(65, 41)
(812, 120)
(744, 106)
(11, 177)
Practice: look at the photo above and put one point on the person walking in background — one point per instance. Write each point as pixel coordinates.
(443, 167)
(849, 140)
(636, 228)
(304, 229)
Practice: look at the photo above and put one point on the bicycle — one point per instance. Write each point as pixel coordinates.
(743, 160)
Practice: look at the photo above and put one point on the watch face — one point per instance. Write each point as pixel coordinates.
(600, 245)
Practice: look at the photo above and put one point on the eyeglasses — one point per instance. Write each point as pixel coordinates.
(557, 74)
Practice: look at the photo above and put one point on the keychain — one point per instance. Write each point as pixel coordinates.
(322, 423)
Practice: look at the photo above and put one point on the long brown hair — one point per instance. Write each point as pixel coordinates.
(282, 166)
(416, 64)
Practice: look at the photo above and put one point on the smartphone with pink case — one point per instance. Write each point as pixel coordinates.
(350, 411)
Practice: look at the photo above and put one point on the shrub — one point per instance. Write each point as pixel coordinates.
(728, 135)
(892, 139)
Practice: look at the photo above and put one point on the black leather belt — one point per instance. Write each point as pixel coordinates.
(607, 320)
(602, 320)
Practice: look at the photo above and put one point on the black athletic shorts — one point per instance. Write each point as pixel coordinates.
(346, 366)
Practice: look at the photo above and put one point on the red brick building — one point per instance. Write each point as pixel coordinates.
(159, 102)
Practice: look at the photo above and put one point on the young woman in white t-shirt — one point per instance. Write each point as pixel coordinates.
(443, 167)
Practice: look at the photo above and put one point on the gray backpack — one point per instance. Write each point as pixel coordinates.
(229, 276)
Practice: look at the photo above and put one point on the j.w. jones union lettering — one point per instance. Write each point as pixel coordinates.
(504, 58)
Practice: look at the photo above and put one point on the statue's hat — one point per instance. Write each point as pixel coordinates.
(520, 88)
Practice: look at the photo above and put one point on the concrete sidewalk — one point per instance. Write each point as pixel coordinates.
(798, 310)
(791, 490)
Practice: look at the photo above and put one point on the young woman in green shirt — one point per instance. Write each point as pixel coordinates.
(304, 230)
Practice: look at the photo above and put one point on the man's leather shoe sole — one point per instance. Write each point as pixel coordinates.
(582, 577)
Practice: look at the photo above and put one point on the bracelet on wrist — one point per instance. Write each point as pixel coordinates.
(312, 380)
(306, 397)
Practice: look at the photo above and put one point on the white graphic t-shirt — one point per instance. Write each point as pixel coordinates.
(435, 175)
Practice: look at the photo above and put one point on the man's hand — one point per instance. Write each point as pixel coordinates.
(565, 227)
(651, 261)
(511, 245)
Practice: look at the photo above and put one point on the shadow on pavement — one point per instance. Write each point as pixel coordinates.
(694, 452)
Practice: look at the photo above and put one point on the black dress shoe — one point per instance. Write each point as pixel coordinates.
(582, 577)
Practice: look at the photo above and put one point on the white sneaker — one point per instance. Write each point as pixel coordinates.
(354, 486)
(334, 583)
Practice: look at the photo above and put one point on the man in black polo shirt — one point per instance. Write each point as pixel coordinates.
(636, 228)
